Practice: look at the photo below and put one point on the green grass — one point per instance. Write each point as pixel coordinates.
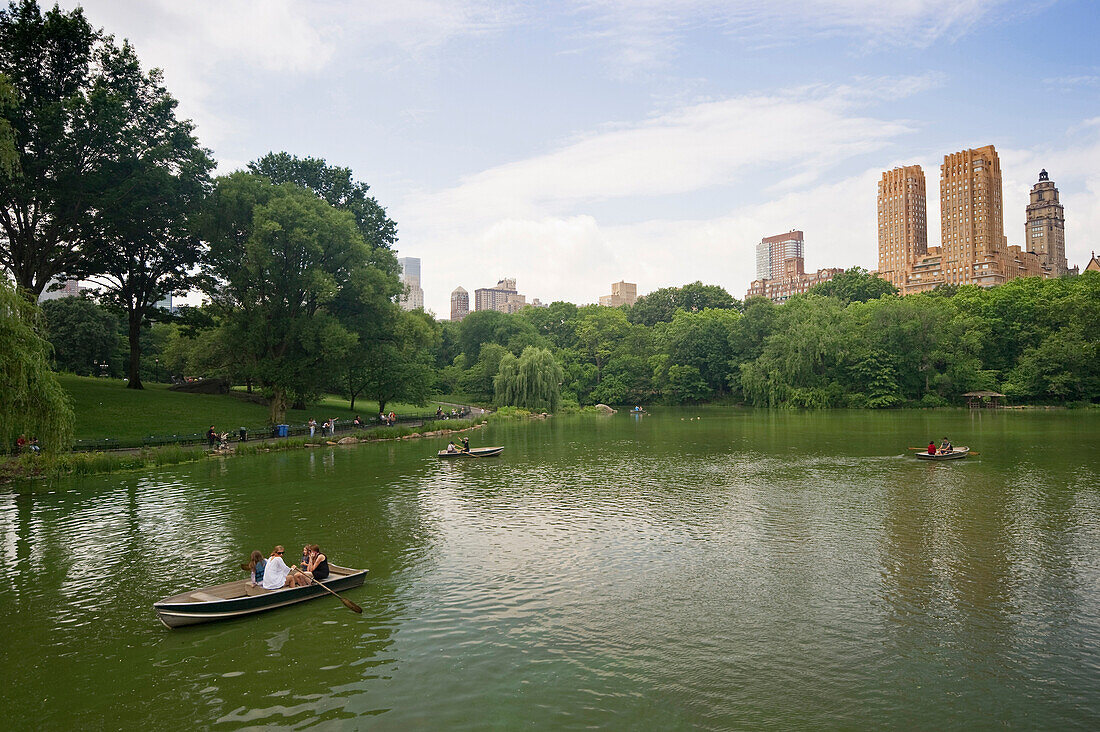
(105, 408)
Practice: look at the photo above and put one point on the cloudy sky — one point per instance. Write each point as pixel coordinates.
(575, 143)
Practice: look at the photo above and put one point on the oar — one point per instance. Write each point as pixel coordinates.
(347, 603)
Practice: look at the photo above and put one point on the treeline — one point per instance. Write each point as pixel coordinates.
(851, 342)
(101, 182)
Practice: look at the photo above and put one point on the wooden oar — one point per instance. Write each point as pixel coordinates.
(347, 603)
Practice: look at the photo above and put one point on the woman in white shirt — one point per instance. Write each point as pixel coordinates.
(277, 574)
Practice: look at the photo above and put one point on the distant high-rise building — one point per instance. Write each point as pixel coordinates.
(773, 251)
(69, 288)
(973, 248)
(902, 222)
(413, 299)
(460, 304)
(1045, 230)
(622, 293)
(503, 297)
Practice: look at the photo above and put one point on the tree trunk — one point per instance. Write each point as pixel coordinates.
(382, 406)
(353, 401)
(278, 405)
(248, 385)
(134, 317)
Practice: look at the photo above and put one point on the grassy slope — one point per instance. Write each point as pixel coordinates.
(106, 408)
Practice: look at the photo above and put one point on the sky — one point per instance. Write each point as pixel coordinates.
(576, 143)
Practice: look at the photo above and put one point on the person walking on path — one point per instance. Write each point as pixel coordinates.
(312, 426)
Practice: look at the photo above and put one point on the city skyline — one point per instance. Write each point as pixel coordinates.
(574, 144)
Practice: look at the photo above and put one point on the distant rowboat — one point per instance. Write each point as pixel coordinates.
(956, 454)
(240, 598)
(473, 452)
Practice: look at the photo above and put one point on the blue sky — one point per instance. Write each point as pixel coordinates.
(573, 144)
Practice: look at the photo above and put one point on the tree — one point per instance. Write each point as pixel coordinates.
(336, 186)
(9, 158)
(490, 326)
(533, 381)
(67, 127)
(854, 285)
(660, 305)
(279, 258)
(31, 400)
(146, 247)
(83, 335)
(702, 340)
(397, 366)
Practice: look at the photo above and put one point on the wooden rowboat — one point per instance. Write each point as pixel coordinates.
(956, 454)
(474, 452)
(239, 598)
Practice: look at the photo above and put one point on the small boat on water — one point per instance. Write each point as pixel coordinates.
(956, 454)
(239, 598)
(473, 452)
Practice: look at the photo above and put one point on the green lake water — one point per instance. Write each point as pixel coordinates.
(742, 570)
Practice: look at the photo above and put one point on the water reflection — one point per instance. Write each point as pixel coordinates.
(744, 569)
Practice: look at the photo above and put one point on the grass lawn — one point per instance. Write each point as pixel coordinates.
(106, 408)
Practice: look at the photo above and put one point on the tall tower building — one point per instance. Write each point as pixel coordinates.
(902, 222)
(460, 304)
(1045, 230)
(773, 251)
(413, 299)
(972, 232)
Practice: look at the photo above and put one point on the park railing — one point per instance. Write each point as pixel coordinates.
(253, 433)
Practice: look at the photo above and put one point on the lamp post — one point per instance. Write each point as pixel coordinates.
(157, 371)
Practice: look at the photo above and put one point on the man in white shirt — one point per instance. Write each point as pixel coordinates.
(277, 574)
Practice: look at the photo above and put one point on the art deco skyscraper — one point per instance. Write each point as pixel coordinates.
(902, 222)
(972, 218)
(460, 304)
(1045, 230)
(413, 298)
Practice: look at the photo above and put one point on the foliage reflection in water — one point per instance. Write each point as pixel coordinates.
(744, 569)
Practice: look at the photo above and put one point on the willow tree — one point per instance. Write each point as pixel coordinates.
(31, 400)
(532, 381)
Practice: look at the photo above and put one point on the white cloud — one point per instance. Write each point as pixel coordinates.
(533, 218)
(645, 34)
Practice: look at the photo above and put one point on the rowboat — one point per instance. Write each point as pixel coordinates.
(956, 454)
(239, 598)
(473, 452)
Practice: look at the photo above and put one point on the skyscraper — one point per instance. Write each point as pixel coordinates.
(1045, 230)
(972, 232)
(460, 304)
(413, 299)
(503, 297)
(622, 293)
(902, 222)
(773, 251)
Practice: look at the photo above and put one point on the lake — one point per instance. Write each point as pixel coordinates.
(705, 569)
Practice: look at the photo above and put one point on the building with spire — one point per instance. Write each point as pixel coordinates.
(460, 304)
(1045, 230)
(973, 249)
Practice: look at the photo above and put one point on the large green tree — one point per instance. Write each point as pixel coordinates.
(9, 158)
(31, 400)
(396, 364)
(854, 285)
(279, 259)
(532, 381)
(338, 187)
(83, 334)
(67, 128)
(660, 305)
(145, 246)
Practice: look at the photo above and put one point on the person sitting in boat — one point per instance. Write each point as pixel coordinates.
(451, 447)
(277, 575)
(931, 447)
(304, 563)
(318, 563)
(945, 446)
(465, 444)
(256, 564)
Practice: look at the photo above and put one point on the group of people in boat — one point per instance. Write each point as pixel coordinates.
(945, 447)
(464, 447)
(274, 573)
